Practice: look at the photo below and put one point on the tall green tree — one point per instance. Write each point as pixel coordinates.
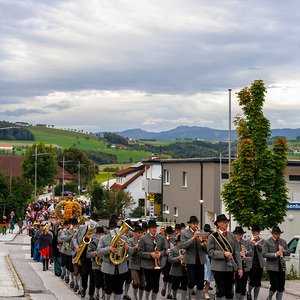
(74, 156)
(257, 190)
(46, 165)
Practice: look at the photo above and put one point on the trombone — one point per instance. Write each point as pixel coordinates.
(231, 261)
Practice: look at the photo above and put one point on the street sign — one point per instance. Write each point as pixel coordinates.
(151, 198)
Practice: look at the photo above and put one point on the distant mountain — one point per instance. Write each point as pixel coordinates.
(205, 133)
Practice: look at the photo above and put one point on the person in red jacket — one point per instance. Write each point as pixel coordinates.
(4, 225)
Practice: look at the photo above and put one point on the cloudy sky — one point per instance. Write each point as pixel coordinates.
(114, 65)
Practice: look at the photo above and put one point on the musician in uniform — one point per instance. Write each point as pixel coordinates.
(96, 259)
(152, 247)
(178, 270)
(224, 250)
(246, 254)
(177, 230)
(86, 264)
(274, 250)
(129, 234)
(137, 273)
(167, 279)
(257, 263)
(114, 274)
(62, 249)
(195, 256)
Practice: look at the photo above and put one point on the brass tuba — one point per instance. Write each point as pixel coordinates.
(117, 242)
(98, 260)
(85, 241)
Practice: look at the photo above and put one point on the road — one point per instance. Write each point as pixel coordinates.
(41, 285)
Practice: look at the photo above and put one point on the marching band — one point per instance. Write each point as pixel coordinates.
(94, 259)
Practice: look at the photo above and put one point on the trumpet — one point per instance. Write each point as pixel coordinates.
(181, 253)
(156, 260)
(202, 238)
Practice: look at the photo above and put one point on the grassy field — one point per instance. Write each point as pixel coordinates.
(103, 176)
(66, 139)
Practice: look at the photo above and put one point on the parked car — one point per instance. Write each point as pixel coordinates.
(83, 189)
(67, 193)
(294, 247)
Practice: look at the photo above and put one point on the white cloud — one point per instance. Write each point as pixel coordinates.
(120, 64)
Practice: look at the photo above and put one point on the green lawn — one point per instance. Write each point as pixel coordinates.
(103, 176)
(66, 139)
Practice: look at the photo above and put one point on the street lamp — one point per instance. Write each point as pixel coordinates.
(35, 169)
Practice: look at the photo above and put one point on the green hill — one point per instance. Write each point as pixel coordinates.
(65, 139)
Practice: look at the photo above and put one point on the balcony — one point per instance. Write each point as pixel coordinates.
(151, 186)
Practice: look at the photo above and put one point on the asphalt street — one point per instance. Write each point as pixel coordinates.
(40, 285)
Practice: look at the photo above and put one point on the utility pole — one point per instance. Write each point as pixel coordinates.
(35, 169)
(63, 180)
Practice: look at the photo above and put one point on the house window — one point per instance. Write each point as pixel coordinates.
(119, 180)
(175, 211)
(225, 176)
(166, 209)
(294, 177)
(184, 179)
(166, 176)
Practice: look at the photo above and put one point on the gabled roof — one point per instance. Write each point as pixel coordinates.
(129, 170)
(120, 187)
(11, 165)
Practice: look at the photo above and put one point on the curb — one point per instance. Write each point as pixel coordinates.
(17, 282)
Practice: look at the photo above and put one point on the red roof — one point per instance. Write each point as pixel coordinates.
(129, 170)
(120, 187)
(11, 165)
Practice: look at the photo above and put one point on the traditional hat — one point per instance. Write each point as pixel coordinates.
(66, 222)
(221, 217)
(276, 229)
(182, 225)
(145, 225)
(255, 227)
(207, 228)
(99, 229)
(94, 216)
(169, 230)
(112, 224)
(239, 230)
(73, 221)
(138, 228)
(152, 223)
(177, 226)
(59, 227)
(35, 223)
(114, 217)
(193, 219)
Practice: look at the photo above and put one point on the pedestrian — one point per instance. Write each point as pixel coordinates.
(257, 263)
(195, 256)
(32, 232)
(4, 225)
(20, 224)
(224, 250)
(11, 221)
(274, 250)
(208, 275)
(44, 246)
(246, 254)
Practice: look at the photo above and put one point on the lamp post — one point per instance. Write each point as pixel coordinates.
(229, 149)
(35, 169)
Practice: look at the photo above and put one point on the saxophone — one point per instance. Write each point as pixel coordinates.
(85, 241)
(117, 242)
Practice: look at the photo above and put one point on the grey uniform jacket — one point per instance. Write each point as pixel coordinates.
(176, 267)
(104, 249)
(90, 253)
(146, 246)
(134, 259)
(218, 260)
(66, 237)
(248, 246)
(168, 246)
(190, 247)
(269, 252)
(257, 247)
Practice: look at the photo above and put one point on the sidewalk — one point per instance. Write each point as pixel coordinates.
(10, 284)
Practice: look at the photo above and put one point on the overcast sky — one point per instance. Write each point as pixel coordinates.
(115, 65)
